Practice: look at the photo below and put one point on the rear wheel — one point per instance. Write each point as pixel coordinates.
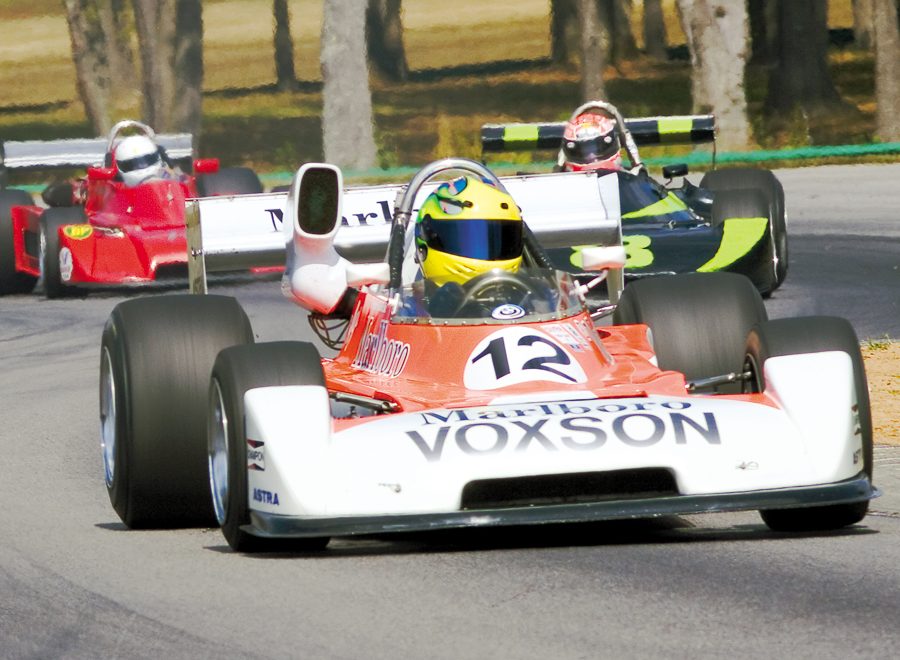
(155, 360)
(54, 261)
(699, 321)
(11, 280)
(814, 334)
(746, 178)
(237, 370)
(229, 181)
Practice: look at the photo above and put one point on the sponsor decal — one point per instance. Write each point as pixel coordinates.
(377, 353)
(507, 312)
(519, 355)
(78, 232)
(379, 214)
(567, 335)
(256, 455)
(276, 217)
(66, 265)
(265, 497)
(566, 426)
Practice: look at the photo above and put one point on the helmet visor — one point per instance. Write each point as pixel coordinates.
(585, 152)
(488, 240)
(138, 162)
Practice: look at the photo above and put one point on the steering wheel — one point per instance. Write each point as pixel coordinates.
(494, 287)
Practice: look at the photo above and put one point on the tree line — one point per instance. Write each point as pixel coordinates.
(722, 37)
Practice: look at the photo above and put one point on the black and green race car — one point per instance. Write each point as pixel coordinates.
(734, 220)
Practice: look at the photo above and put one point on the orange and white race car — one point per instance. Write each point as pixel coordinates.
(516, 404)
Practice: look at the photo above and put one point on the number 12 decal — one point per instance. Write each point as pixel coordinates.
(518, 355)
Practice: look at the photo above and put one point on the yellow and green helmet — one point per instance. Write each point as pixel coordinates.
(467, 227)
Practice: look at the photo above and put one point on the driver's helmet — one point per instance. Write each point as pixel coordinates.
(138, 159)
(591, 142)
(467, 227)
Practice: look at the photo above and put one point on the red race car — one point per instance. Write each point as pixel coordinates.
(122, 224)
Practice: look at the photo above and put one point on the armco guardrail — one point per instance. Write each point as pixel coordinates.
(699, 157)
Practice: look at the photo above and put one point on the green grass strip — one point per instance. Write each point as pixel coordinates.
(398, 174)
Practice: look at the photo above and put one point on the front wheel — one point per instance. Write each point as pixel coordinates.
(155, 359)
(56, 261)
(814, 334)
(698, 321)
(236, 371)
(764, 181)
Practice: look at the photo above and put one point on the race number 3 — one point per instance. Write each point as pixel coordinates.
(519, 355)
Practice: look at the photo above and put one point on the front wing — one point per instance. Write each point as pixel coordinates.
(857, 489)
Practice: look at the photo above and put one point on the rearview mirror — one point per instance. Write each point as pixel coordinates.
(318, 197)
(206, 165)
(101, 173)
(678, 169)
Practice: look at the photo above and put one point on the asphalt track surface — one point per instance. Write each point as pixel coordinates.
(74, 583)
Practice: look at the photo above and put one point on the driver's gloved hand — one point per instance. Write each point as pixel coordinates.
(446, 300)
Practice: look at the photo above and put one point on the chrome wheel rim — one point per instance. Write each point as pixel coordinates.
(42, 250)
(218, 454)
(108, 418)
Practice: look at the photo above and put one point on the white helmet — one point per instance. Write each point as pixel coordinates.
(138, 159)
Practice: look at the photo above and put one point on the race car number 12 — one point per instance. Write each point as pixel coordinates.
(516, 355)
(496, 348)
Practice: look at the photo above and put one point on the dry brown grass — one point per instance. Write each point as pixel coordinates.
(415, 121)
(882, 360)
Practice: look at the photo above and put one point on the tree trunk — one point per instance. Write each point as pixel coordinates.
(564, 31)
(594, 47)
(863, 23)
(654, 30)
(384, 35)
(284, 47)
(89, 51)
(188, 109)
(103, 60)
(717, 32)
(348, 133)
(170, 34)
(121, 58)
(763, 28)
(887, 70)
(623, 45)
(801, 77)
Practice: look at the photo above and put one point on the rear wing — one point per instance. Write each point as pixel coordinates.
(242, 232)
(78, 152)
(687, 129)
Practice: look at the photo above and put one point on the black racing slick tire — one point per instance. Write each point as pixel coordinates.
(814, 334)
(698, 321)
(236, 371)
(11, 280)
(764, 181)
(229, 181)
(155, 361)
(51, 269)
